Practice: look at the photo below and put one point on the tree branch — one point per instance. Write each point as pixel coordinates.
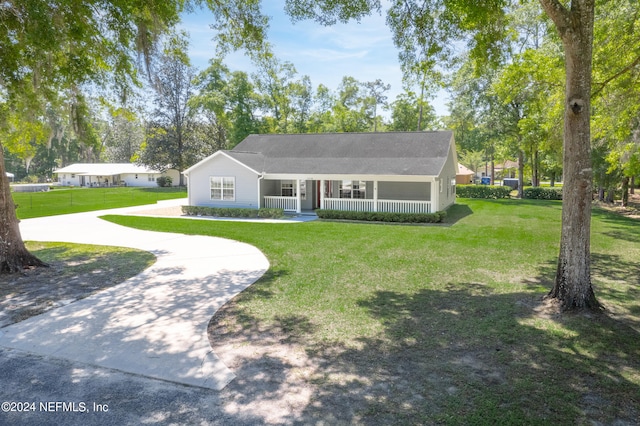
(616, 75)
(559, 14)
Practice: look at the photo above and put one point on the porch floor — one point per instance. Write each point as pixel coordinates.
(305, 216)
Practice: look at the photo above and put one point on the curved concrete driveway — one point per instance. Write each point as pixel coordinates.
(154, 324)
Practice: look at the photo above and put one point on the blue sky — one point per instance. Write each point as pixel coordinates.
(362, 50)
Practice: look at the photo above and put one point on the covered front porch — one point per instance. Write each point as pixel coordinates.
(391, 196)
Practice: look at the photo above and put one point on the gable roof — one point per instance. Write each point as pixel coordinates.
(463, 170)
(388, 153)
(104, 169)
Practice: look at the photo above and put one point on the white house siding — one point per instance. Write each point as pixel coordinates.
(246, 183)
(69, 179)
(447, 195)
(174, 175)
(140, 179)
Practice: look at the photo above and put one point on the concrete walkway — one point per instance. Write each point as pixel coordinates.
(154, 324)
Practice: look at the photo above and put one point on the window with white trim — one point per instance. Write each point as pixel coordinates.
(353, 189)
(223, 188)
(288, 189)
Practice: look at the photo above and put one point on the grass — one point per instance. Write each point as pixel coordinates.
(75, 200)
(448, 318)
(113, 264)
(75, 272)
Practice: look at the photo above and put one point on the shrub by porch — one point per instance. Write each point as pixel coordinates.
(232, 212)
(436, 217)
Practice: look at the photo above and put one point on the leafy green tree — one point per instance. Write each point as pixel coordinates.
(321, 118)
(51, 49)
(376, 90)
(472, 159)
(171, 142)
(244, 108)
(123, 136)
(409, 114)
(615, 94)
(301, 94)
(229, 103)
(275, 80)
(349, 110)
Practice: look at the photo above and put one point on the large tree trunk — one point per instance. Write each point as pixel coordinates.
(520, 173)
(535, 179)
(493, 170)
(573, 278)
(14, 256)
(625, 191)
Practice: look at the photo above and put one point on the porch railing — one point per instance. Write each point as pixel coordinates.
(368, 205)
(404, 206)
(348, 204)
(288, 204)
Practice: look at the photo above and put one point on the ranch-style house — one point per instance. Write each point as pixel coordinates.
(111, 174)
(403, 172)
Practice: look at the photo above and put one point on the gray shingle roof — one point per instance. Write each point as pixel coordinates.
(392, 153)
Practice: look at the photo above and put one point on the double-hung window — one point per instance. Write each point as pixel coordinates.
(353, 189)
(288, 189)
(223, 188)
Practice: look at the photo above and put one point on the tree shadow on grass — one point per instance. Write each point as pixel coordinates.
(552, 204)
(465, 356)
(620, 227)
(459, 354)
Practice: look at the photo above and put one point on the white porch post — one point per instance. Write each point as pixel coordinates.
(298, 197)
(322, 191)
(435, 195)
(375, 195)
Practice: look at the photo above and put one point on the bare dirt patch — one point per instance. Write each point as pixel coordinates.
(632, 210)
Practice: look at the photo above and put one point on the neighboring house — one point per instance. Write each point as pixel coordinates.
(507, 170)
(464, 175)
(110, 174)
(387, 172)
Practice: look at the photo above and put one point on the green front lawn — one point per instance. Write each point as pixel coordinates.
(75, 200)
(448, 318)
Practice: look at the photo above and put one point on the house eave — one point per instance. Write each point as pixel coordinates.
(365, 177)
